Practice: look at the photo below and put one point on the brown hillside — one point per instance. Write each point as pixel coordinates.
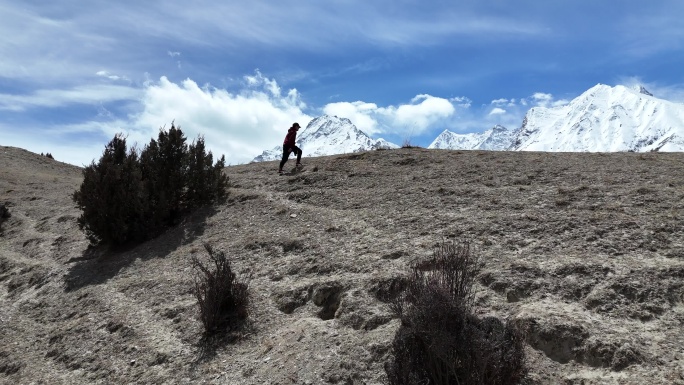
(585, 250)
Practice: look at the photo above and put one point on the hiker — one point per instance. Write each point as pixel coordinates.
(289, 146)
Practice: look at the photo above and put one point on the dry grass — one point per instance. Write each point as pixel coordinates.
(596, 283)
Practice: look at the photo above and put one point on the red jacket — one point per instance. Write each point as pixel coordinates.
(290, 137)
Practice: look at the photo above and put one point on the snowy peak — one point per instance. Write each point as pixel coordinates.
(329, 135)
(602, 119)
(641, 89)
(605, 119)
(448, 140)
(497, 138)
(325, 125)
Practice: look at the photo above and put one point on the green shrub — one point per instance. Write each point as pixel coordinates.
(111, 196)
(206, 181)
(131, 196)
(440, 340)
(223, 298)
(164, 174)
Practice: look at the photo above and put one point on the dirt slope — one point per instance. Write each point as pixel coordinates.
(586, 250)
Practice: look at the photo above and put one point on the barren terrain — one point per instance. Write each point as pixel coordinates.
(585, 251)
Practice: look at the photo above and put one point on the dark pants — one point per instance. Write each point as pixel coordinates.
(286, 154)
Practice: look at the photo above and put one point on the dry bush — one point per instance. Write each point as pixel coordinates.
(440, 341)
(407, 144)
(4, 214)
(222, 296)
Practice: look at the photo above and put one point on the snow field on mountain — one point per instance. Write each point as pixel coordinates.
(602, 119)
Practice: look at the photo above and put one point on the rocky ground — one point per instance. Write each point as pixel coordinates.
(584, 250)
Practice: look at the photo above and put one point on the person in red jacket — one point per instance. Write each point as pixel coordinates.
(289, 146)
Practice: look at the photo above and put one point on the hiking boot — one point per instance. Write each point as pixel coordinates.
(280, 172)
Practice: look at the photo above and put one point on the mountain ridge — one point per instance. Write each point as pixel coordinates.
(601, 119)
(497, 138)
(329, 135)
(604, 119)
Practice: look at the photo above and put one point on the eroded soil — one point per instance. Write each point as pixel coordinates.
(584, 250)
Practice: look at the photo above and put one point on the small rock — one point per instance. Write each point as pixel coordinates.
(293, 215)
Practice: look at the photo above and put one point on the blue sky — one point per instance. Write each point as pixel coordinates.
(74, 73)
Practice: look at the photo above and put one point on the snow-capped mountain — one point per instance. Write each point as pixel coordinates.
(605, 119)
(602, 119)
(329, 135)
(448, 140)
(497, 138)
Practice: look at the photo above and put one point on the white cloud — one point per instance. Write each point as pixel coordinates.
(414, 118)
(508, 112)
(89, 94)
(497, 111)
(423, 111)
(360, 113)
(54, 47)
(437, 26)
(239, 125)
(108, 75)
(125, 35)
(259, 81)
(503, 102)
(542, 99)
(461, 101)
